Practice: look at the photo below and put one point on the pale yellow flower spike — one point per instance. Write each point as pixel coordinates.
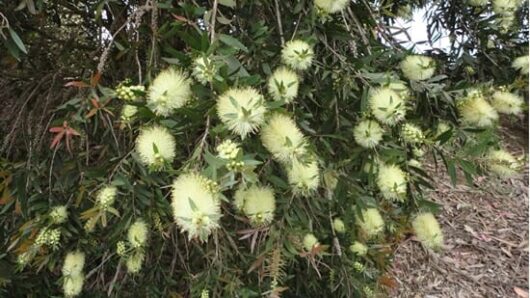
(521, 64)
(297, 54)
(428, 230)
(156, 146)
(137, 234)
(170, 90)
(282, 138)
(304, 177)
(507, 103)
(418, 68)
(242, 110)
(502, 163)
(476, 111)
(368, 133)
(371, 223)
(392, 182)
(196, 208)
(257, 203)
(283, 84)
(387, 106)
(331, 6)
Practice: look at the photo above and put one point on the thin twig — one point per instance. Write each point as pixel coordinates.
(111, 286)
(278, 18)
(137, 14)
(105, 258)
(214, 17)
(15, 124)
(112, 132)
(360, 30)
(204, 136)
(353, 46)
(50, 173)
(154, 30)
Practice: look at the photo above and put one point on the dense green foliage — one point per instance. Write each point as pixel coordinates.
(64, 62)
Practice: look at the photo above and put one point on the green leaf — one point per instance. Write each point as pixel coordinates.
(445, 136)
(114, 211)
(213, 160)
(451, 170)
(12, 48)
(468, 167)
(429, 205)
(17, 41)
(233, 42)
(228, 3)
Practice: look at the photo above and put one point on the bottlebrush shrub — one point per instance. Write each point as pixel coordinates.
(248, 166)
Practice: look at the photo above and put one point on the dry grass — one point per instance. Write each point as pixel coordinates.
(486, 237)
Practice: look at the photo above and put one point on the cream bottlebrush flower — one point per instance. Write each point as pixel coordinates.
(428, 230)
(521, 64)
(73, 263)
(387, 106)
(195, 207)
(228, 149)
(505, 7)
(331, 6)
(242, 110)
(137, 234)
(73, 285)
(310, 241)
(156, 146)
(170, 90)
(412, 134)
(371, 223)
(418, 68)
(338, 226)
(283, 84)
(368, 133)
(371, 167)
(392, 182)
(414, 163)
(358, 248)
(239, 199)
(478, 3)
(502, 163)
(507, 103)
(128, 112)
(442, 128)
(303, 176)
(257, 203)
(59, 214)
(400, 89)
(204, 69)
(297, 54)
(505, 22)
(282, 138)
(135, 261)
(106, 196)
(476, 111)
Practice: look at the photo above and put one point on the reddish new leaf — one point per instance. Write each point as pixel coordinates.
(78, 84)
(94, 80)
